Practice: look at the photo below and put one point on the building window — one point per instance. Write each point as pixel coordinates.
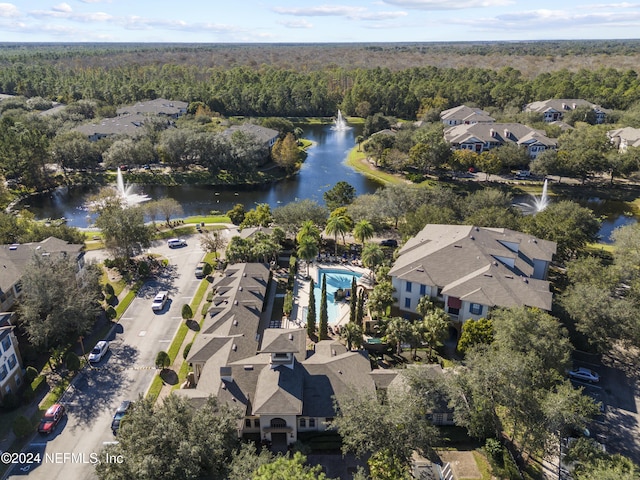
(256, 423)
(408, 287)
(18, 287)
(3, 372)
(423, 290)
(12, 361)
(6, 343)
(439, 294)
(303, 423)
(312, 423)
(475, 309)
(407, 303)
(278, 423)
(247, 422)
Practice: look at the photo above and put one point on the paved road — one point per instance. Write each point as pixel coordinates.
(124, 373)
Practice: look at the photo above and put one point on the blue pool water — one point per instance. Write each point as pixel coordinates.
(336, 278)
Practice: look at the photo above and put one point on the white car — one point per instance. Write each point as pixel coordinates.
(99, 351)
(176, 243)
(584, 374)
(160, 301)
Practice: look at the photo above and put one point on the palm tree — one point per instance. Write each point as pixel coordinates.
(397, 331)
(308, 228)
(363, 231)
(308, 249)
(337, 225)
(435, 326)
(359, 140)
(425, 306)
(352, 334)
(372, 256)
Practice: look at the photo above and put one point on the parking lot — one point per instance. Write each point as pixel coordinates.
(618, 426)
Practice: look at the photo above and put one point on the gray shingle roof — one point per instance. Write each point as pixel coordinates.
(14, 258)
(481, 265)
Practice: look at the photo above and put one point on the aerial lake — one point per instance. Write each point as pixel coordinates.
(323, 168)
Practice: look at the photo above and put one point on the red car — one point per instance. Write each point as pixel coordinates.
(51, 418)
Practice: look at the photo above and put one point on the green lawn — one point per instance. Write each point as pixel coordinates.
(354, 160)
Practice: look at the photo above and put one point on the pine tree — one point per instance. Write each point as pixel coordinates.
(324, 316)
(360, 309)
(353, 300)
(311, 314)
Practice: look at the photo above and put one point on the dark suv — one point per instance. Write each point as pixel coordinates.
(120, 413)
(389, 242)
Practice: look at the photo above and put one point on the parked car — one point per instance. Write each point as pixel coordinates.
(98, 351)
(160, 301)
(51, 418)
(584, 374)
(176, 243)
(523, 174)
(200, 269)
(120, 413)
(389, 242)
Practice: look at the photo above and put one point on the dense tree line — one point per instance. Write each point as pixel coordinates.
(270, 90)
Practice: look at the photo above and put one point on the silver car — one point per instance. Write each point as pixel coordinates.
(99, 351)
(584, 374)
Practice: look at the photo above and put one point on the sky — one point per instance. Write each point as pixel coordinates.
(318, 21)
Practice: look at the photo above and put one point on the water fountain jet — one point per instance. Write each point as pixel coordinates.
(340, 124)
(129, 198)
(537, 204)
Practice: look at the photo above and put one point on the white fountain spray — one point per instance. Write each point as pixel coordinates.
(128, 197)
(537, 204)
(340, 124)
(542, 202)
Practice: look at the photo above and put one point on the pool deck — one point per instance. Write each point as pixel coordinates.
(301, 292)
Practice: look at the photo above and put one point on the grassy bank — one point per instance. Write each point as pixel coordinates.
(357, 160)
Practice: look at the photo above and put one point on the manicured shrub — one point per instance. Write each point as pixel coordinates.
(31, 374)
(187, 349)
(187, 313)
(108, 289)
(111, 313)
(163, 360)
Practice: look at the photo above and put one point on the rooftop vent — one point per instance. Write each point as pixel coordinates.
(472, 237)
(458, 246)
(248, 367)
(488, 275)
(235, 323)
(291, 336)
(235, 302)
(244, 274)
(525, 279)
(508, 276)
(240, 288)
(234, 347)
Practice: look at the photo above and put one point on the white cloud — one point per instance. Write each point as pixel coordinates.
(321, 11)
(301, 23)
(9, 10)
(63, 7)
(448, 4)
(354, 13)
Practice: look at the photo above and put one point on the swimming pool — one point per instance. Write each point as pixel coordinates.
(336, 278)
